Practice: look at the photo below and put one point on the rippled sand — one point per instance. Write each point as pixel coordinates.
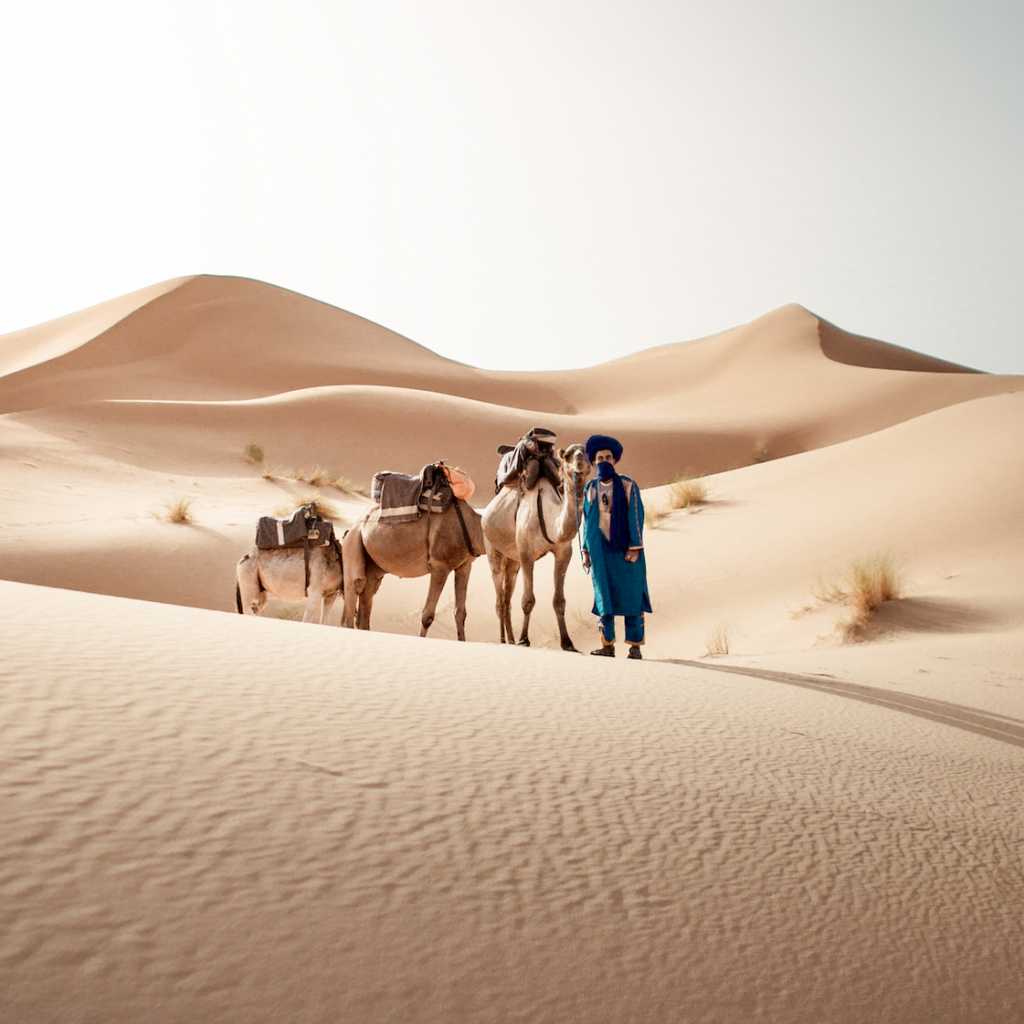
(222, 819)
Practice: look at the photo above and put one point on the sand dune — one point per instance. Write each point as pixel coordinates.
(767, 389)
(210, 817)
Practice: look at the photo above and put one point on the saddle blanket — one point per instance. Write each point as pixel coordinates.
(304, 526)
(402, 498)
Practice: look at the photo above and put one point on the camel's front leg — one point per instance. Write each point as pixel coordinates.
(366, 594)
(353, 590)
(461, 589)
(511, 575)
(329, 600)
(529, 599)
(438, 575)
(562, 560)
(497, 562)
(314, 603)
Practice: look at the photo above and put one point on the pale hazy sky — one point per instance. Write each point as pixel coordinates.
(546, 183)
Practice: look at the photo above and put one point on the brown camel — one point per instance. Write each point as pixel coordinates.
(434, 544)
(521, 526)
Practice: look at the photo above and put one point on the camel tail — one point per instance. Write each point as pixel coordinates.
(238, 599)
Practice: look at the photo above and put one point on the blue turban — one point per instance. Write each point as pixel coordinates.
(599, 443)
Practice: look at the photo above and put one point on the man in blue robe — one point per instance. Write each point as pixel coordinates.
(613, 547)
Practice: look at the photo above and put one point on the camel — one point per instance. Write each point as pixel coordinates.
(434, 545)
(281, 572)
(521, 526)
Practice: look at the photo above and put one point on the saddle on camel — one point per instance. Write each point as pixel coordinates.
(525, 462)
(403, 498)
(305, 528)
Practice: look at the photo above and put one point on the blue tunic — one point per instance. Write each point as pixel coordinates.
(620, 587)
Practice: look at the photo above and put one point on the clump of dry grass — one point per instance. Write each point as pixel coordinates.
(178, 510)
(864, 587)
(320, 476)
(317, 475)
(871, 583)
(344, 484)
(717, 640)
(654, 516)
(325, 508)
(253, 453)
(687, 492)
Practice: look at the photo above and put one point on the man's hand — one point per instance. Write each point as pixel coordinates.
(586, 559)
(632, 554)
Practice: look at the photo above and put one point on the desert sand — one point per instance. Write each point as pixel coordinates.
(215, 817)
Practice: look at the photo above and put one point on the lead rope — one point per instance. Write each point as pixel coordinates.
(579, 517)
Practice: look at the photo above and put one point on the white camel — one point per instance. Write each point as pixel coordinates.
(521, 526)
(281, 573)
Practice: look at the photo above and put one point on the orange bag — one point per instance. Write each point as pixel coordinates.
(461, 485)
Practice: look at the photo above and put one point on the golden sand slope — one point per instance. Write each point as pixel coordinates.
(214, 818)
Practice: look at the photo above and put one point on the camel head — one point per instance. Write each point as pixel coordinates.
(575, 464)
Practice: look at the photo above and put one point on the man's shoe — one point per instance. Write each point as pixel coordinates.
(634, 652)
(605, 651)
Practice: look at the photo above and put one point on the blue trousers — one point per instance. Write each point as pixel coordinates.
(634, 629)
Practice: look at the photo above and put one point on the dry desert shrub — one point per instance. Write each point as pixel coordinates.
(871, 583)
(320, 476)
(317, 475)
(717, 640)
(654, 516)
(865, 586)
(178, 510)
(325, 508)
(687, 492)
(344, 484)
(253, 453)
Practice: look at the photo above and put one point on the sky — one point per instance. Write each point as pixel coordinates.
(534, 184)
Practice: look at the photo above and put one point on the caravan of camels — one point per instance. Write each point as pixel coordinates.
(536, 511)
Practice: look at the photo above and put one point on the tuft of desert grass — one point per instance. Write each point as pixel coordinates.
(326, 508)
(177, 510)
(654, 516)
(253, 453)
(344, 484)
(760, 454)
(717, 640)
(320, 476)
(864, 587)
(687, 492)
(830, 591)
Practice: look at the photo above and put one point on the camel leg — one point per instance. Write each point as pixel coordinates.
(461, 589)
(314, 605)
(501, 568)
(370, 587)
(438, 576)
(509, 586)
(529, 600)
(562, 560)
(250, 597)
(329, 600)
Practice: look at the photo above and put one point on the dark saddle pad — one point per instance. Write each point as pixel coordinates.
(304, 527)
(402, 498)
(531, 457)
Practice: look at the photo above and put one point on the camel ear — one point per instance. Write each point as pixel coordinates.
(561, 454)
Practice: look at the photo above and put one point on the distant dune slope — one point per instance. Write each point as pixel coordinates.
(359, 393)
